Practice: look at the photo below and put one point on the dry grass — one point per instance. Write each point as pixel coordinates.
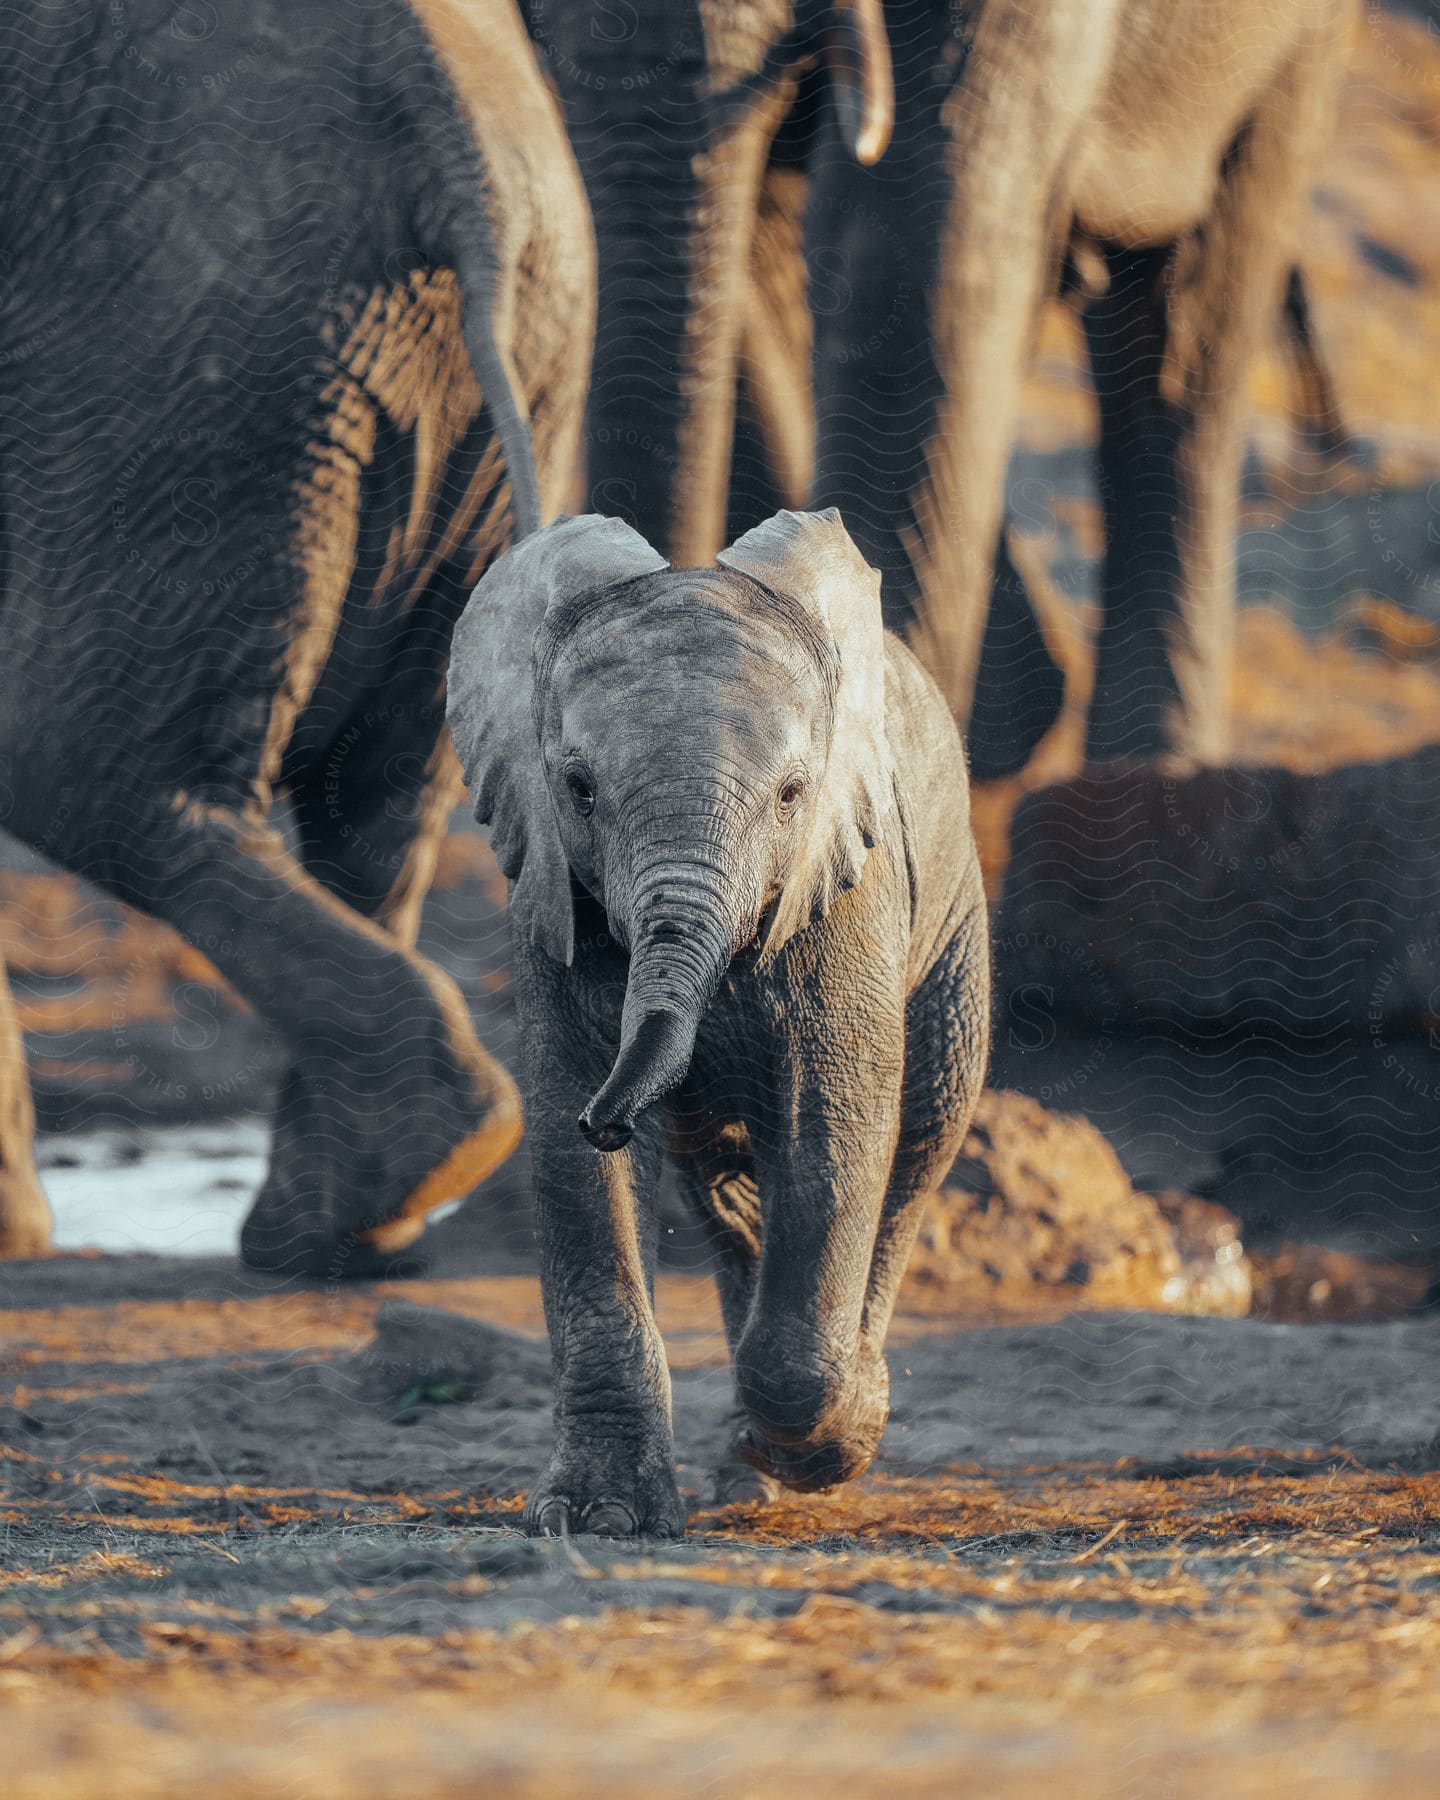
(1226, 1621)
(1222, 1623)
(1190, 1633)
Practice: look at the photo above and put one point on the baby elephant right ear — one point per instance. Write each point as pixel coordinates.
(492, 718)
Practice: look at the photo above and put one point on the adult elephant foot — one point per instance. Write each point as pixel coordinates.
(368, 1140)
(25, 1223)
(597, 1490)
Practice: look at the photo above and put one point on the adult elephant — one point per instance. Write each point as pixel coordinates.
(296, 327)
(1146, 157)
(1150, 159)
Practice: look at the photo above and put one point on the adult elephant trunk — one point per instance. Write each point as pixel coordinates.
(672, 157)
(661, 419)
(680, 949)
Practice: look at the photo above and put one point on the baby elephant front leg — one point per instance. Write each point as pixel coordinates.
(613, 1467)
(815, 1390)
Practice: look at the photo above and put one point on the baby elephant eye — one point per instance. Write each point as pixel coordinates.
(582, 792)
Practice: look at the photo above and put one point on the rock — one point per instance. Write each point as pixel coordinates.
(425, 1355)
(1038, 1206)
(1232, 897)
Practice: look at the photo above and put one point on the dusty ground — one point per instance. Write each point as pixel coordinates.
(1107, 1555)
(1113, 1554)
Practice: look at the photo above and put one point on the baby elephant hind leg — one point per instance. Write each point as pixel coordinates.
(24, 1211)
(721, 1187)
(389, 1105)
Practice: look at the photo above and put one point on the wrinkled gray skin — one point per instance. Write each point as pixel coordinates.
(750, 929)
(1146, 159)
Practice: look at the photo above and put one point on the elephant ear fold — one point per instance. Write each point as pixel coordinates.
(811, 560)
(491, 705)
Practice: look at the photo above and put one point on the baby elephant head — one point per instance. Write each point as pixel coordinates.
(703, 748)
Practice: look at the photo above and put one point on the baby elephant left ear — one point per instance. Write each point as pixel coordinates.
(810, 559)
(491, 712)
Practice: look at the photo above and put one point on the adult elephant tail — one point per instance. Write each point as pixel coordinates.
(498, 385)
(457, 225)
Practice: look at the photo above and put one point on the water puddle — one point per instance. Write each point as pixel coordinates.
(178, 1191)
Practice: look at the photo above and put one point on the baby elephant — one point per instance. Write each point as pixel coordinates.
(735, 818)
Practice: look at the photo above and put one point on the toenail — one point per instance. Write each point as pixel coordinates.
(611, 1518)
(553, 1519)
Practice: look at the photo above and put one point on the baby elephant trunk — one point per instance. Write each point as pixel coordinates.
(676, 965)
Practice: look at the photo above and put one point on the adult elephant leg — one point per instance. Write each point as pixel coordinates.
(673, 181)
(872, 238)
(372, 810)
(943, 255)
(371, 818)
(613, 1466)
(1019, 686)
(1010, 122)
(25, 1223)
(884, 450)
(947, 1038)
(391, 1106)
(1170, 343)
(1145, 634)
(773, 456)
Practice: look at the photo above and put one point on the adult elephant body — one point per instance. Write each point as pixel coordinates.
(295, 337)
(1146, 157)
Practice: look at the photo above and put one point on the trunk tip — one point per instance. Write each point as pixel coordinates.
(615, 1134)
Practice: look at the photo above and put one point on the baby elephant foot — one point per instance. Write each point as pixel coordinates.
(592, 1494)
(734, 1481)
(810, 1434)
(813, 1464)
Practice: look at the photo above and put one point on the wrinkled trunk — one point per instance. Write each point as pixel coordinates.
(680, 949)
(673, 192)
(928, 310)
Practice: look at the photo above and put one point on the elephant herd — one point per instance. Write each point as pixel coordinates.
(298, 302)
(1146, 159)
